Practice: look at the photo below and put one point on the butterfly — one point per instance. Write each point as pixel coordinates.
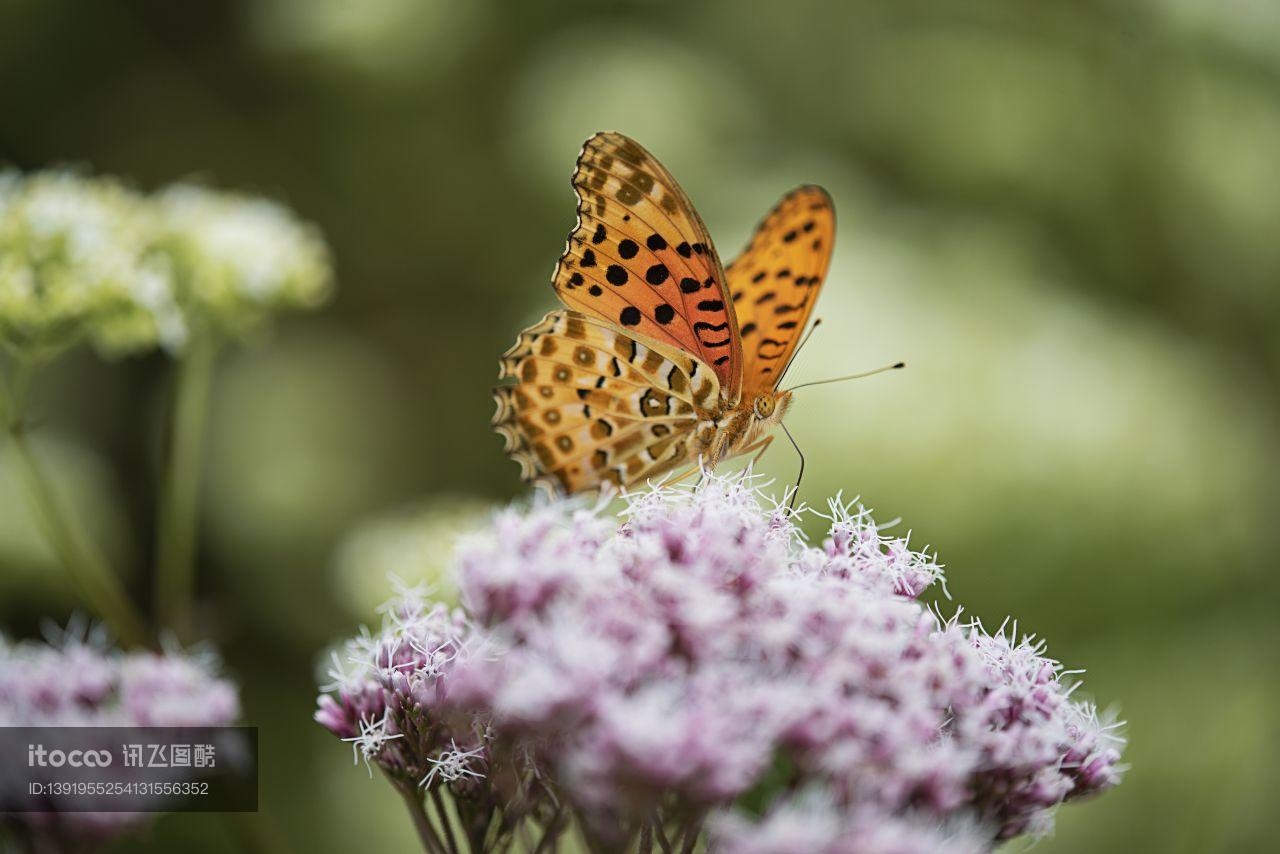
(662, 357)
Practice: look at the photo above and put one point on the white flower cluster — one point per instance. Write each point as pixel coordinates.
(85, 257)
(75, 259)
(237, 256)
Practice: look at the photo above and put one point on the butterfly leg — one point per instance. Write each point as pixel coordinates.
(763, 445)
(684, 474)
(759, 447)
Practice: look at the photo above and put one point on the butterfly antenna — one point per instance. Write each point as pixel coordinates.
(817, 321)
(791, 505)
(895, 366)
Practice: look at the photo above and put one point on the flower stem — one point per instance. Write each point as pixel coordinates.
(99, 585)
(180, 489)
(550, 832)
(690, 836)
(660, 834)
(445, 822)
(645, 844)
(421, 821)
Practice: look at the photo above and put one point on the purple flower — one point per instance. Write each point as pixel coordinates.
(654, 672)
(78, 680)
(387, 693)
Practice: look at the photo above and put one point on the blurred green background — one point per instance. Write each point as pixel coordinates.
(1063, 216)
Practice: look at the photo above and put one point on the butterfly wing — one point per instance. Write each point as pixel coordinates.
(640, 258)
(774, 283)
(592, 404)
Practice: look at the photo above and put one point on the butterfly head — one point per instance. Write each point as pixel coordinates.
(769, 407)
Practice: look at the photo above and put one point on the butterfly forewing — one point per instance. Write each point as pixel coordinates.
(645, 371)
(640, 258)
(774, 283)
(592, 404)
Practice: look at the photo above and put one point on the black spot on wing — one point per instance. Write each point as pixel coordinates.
(702, 327)
(780, 346)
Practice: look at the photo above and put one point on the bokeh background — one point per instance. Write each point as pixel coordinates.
(1063, 216)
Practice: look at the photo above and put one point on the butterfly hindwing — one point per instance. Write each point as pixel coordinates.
(640, 258)
(645, 370)
(774, 283)
(592, 404)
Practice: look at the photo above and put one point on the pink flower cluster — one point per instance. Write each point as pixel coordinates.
(695, 670)
(387, 695)
(78, 680)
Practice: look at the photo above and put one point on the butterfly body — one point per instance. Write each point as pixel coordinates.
(737, 430)
(662, 359)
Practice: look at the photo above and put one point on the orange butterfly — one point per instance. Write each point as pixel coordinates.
(662, 357)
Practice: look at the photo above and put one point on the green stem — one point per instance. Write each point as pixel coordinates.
(178, 510)
(690, 837)
(549, 833)
(421, 822)
(445, 821)
(645, 845)
(660, 833)
(99, 585)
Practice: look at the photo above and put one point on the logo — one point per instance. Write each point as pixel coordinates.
(37, 756)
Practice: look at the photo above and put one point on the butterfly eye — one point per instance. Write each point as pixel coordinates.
(764, 406)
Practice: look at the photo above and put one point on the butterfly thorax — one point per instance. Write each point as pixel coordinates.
(737, 429)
